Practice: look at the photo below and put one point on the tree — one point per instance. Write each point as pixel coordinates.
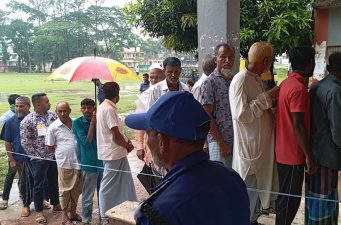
(59, 30)
(3, 45)
(173, 20)
(108, 25)
(285, 23)
(19, 33)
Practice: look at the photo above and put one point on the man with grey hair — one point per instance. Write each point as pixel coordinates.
(208, 66)
(156, 74)
(11, 135)
(215, 101)
(61, 141)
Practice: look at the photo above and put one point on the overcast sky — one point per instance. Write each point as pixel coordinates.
(119, 3)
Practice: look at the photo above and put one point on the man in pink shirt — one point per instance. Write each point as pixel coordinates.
(293, 153)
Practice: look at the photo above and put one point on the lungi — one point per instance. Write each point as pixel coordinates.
(322, 185)
(70, 187)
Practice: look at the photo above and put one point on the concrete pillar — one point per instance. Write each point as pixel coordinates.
(218, 21)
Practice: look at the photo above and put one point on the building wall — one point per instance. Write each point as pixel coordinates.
(321, 25)
(334, 27)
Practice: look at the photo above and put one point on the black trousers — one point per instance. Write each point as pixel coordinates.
(8, 182)
(290, 182)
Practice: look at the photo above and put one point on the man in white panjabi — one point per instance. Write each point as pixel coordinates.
(253, 124)
(156, 75)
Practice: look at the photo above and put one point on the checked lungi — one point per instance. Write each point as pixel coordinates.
(321, 186)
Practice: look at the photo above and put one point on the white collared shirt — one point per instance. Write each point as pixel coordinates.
(65, 144)
(160, 89)
(197, 88)
(107, 118)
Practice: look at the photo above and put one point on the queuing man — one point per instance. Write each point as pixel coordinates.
(292, 133)
(326, 146)
(113, 147)
(254, 134)
(11, 135)
(172, 69)
(11, 111)
(215, 100)
(100, 95)
(84, 129)
(32, 134)
(156, 74)
(145, 85)
(61, 141)
(10, 173)
(195, 190)
(208, 66)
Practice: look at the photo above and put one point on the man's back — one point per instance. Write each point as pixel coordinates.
(199, 191)
(11, 133)
(325, 121)
(107, 118)
(293, 98)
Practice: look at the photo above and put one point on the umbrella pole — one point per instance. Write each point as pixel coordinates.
(95, 95)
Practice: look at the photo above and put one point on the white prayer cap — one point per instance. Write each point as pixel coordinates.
(156, 66)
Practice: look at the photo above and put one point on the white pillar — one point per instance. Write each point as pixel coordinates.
(218, 22)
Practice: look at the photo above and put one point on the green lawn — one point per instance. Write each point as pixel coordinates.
(58, 90)
(282, 71)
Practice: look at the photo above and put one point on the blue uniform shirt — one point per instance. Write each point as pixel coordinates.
(11, 133)
(100, 94)
(144, 86)
(87, 150)
(197, 191)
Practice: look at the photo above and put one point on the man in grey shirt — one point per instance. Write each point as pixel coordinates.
(326, 146)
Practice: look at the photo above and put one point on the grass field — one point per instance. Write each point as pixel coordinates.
(59, 90)
(29, 83)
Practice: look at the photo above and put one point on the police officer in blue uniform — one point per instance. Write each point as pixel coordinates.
(195, 190)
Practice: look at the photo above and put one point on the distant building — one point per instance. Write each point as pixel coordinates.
(327, 32)
(11, 63)
(132, 57)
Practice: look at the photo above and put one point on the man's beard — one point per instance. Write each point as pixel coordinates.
(227, 73)
(157, 162)
(20, 115)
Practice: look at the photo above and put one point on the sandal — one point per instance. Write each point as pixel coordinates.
(76, 218)
(67, 222)
(46, 205)
(3, 205)
(57, 208)
(25, 211)
(40, 218)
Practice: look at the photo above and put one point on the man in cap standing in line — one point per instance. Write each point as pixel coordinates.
(156, 74)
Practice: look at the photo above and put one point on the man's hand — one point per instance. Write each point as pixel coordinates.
(13, 164)
(311, 165)
(93, 119)
(130, 146)
(274, 92)
(225, 150)
(140, 154)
